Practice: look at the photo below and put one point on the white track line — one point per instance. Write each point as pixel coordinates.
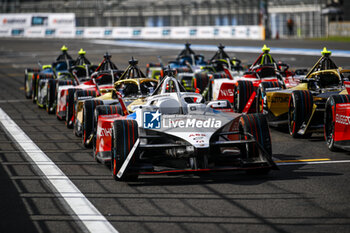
(314, 162)
(90, 217)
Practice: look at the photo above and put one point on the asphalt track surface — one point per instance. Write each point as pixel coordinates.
(299, 197)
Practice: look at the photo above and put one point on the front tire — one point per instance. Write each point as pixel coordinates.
(242, 92)
(300, 108)
(257, 126)
(124, 136)
(329, 121)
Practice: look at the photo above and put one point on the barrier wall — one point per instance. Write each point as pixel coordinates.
(339, 29)
(220, 32)
(48, 25)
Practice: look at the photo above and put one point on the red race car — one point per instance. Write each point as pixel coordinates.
(102, 80)
(337, 120)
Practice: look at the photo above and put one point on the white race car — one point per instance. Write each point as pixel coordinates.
(175, 132)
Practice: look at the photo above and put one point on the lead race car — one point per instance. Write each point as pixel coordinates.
(175, 132)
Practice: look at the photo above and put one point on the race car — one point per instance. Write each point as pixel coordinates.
(100, 82)
(302, 107)
(240, 90)
(176, 132)
(337, 119)
(32, 77)
(186, 61)
(132, 86)
(200, 79)
(80, 71)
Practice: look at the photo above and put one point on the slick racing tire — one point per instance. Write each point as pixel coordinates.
(329, 121)
(78, 95)
(88, 121)
(103, 110)
(70, 107)
(29, 75)
(200, 81)
(242, 92)
(124, 136)
(34, 86)
(261, 101)
(41, 88)
(51, 96)
(300, 108)
(256, 125)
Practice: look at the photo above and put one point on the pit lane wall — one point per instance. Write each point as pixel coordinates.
(63, 26)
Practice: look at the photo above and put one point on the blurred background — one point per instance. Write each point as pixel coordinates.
(281, 18)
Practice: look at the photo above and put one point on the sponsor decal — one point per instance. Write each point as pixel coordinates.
(151, 120)
(154, 120)
(136, 32)
(85, 97)
(166, 32)
(191, 123)
(39, 20)
(193, 32)
(277, 99)
(227, 92)
(17, 32)
(50, 32)
(216, 31)
(341, 119)
(62, 21)
(79, 32)
(14, 21)
(104, 132)
(272, 88)
(108, 32)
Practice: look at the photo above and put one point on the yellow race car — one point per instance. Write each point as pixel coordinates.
(302, 107)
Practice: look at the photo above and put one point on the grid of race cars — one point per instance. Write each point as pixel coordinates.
(192, 114)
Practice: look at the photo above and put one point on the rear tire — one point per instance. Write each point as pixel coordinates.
(124, 136)
(28, 76)
(329, 121)
(242, 92)
(70, 107)
(88, 121)
(200, 81)
(300, 108)
(51, 96)
(103, 110)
